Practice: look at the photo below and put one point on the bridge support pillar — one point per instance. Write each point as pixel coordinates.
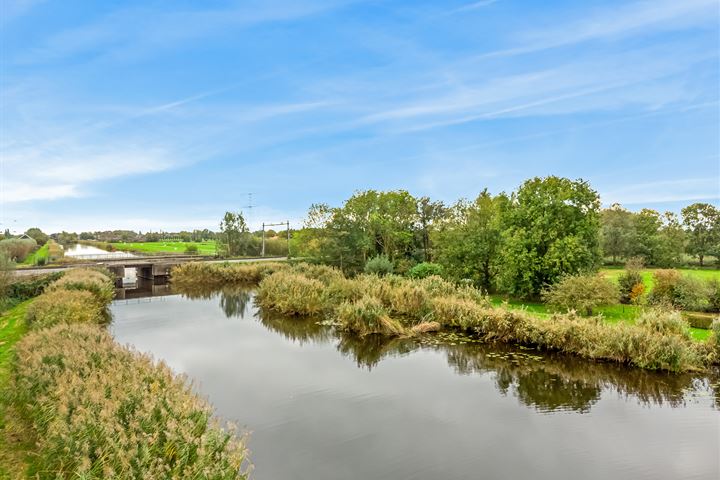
(119, 272)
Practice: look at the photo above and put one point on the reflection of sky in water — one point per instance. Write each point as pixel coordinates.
(88, 252)
(324, 407)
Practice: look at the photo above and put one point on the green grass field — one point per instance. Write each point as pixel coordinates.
(15, 440)
(647, 274)
(33, 258)
(204, 248)
(611, 313)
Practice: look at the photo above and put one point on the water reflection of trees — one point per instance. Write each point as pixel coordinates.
(370, 350)
(565, 382)
(543, 381)
(298, 329)
(234, 299)
(547, 382)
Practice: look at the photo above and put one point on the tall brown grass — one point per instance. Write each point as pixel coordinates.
(84, 279)
(64, 306)
(216, 274)
(291, 293)
(100, 411)
(393, 305)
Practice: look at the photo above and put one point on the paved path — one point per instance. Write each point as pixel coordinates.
(37, 271)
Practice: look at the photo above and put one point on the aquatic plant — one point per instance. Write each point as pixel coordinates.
(393, 305)
(100, 410)
(291, 293)
(202, 273)
(367, 316)
(582, 293)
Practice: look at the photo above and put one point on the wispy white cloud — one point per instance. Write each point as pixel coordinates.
(630, 19)
(133, 33)
(663, 191)
(472, 6)
(644, 78)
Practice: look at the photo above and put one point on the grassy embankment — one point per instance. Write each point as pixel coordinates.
(619, 312)
(50, 252)
(77, 405)
(395, 305)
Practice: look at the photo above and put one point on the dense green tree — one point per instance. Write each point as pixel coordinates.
(368, 224)
(553, 229)
(617, 232)
(37, 235)
(467, 244)
(430, 213)
(702, 222)
(646, 224)
(236, 238)
(670, 243)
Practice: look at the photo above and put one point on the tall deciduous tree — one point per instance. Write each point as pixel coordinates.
(617, 232)
(553, 229)
(37, 235)
(467, 244)
(430, 213)
(702, 222)
(236, 238)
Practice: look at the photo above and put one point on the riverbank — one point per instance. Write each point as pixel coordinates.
(396, 306)
(90, 408)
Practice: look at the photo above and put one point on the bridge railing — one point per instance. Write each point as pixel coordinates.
(102, 256)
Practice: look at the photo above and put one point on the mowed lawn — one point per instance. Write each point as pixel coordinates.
(647, 274)
(204, 248)
(619, 312)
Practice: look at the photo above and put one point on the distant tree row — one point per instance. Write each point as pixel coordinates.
(661, 239)
(517, 243)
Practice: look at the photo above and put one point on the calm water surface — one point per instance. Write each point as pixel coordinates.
(89, 252)
(322, 406)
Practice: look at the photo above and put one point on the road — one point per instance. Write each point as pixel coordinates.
(38, 271)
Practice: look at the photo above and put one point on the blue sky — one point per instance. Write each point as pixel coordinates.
(164, 114)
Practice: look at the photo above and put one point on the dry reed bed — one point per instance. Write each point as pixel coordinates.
(101, 410)
(219, 274)
(395, 305)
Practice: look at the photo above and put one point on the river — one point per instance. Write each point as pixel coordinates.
(319, 405)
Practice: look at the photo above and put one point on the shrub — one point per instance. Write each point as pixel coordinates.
(64, 306)
(367, 316)
(6, 277)
(664, 288)
(17, 249)
(691, 293)
(681, 291)
(379, 265)
(714, 295)
(103, 411)
(699, 320)
(98, 283)
(291, 293)
(191, 249)
(582, 293)
(424, 270)
(24, 288)
(630, 282)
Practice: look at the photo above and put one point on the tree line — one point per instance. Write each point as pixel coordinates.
(517, 243)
